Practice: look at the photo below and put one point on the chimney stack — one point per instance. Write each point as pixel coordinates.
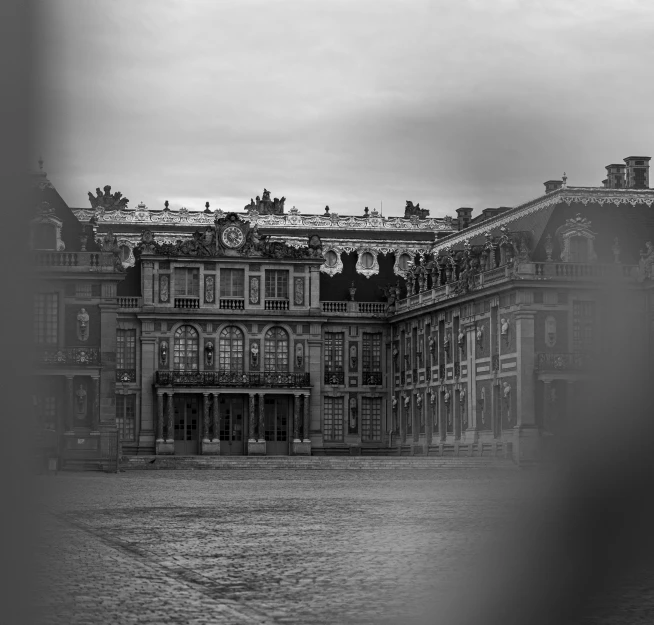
(552, 185)
(464, 216)
(637, 172)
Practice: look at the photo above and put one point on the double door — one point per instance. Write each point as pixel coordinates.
(187, 424)
(231, 411)
(277, 423)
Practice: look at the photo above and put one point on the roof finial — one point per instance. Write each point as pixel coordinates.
(565, 180)
(41, 163)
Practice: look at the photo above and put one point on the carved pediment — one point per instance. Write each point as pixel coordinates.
(230, 236)
(576, 228)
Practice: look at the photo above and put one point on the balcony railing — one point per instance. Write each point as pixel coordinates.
(129, 302)
(232, 303)
(372, 378)
(334, 307)
(495, 362)
(335, 377)
(374, 308)
(75, 261)
(563, 362)
(233, 379)
(457, 369)
(187, 302)
(584, 271)
(125, 375)
(82, 356)
(276, 304)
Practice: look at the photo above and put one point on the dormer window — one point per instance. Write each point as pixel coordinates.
(46, 229)
(577, 241)
(45, 236)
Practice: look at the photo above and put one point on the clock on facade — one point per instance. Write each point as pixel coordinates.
(232, 236)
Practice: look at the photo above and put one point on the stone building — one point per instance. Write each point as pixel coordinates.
(265, 331)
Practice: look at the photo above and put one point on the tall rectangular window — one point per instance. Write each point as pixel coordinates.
(583, 326)
(125, 349)
(187, 282)
(333, 412)
(46, 318)
(126, 416)
(372, 352)
(334, 342)
(277, 283)
(232, 282)
(371, 419)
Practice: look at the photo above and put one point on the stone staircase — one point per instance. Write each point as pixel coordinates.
(334, 463)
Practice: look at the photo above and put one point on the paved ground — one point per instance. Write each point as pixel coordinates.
(264, 546)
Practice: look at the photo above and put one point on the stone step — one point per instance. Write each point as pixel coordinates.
(317, 463)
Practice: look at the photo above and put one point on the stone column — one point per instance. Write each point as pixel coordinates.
(70, 404)
(216, 418)
(526, 437)
(95, 414)
(416, 421)
(547, 385)
(442, 415)
(307, 398)
(148, 362)
(314, 276)
(252, 438)
(401, 415)
(296, 418)
(262, 430)
(471, 399)
(171, 418)
(160, 416)
(205, 418)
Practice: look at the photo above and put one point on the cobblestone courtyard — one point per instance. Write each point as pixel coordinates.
(286, 546)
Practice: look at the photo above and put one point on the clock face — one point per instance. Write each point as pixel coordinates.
(232, 236)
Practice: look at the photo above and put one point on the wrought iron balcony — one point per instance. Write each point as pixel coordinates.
(82, 356)
(563, 362)
(125, 375)
(335, 377)
(372, 378)
(233, 379)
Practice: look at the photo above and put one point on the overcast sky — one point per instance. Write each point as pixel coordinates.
(345, 103)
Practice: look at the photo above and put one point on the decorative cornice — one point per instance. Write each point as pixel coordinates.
(293, 220)
(569, 196)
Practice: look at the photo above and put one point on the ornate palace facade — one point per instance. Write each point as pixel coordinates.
(264, 331)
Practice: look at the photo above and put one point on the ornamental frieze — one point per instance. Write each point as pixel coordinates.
(183, 216)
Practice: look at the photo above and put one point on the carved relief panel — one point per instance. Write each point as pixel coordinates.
(164, 288)
(209, 288)
(298, 291)
(254, 290)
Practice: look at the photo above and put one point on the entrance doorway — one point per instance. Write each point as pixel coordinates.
(187, 432)
(277, 410)
(230, 411)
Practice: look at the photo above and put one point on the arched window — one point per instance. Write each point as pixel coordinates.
(185, 356)
(276, 350)
(230, 349)
(578, 250)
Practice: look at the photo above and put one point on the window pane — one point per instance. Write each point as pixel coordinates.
(46, 318)
(126, 349)
(333, 423)
(185, 355)
(230, 350)
(232, 282)
(277, 283)
(187, 282)
(276, 350)
(334, 344)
